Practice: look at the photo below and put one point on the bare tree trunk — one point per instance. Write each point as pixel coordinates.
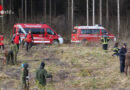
(93, 12)
(68, 10)
(118, 18)
(10, 10)
(22, 11)
(31, 9)
(100, 12)
(87, 12)
(45, 10)
(50, 12)
(2, 2)
(72, 11)
(55, 8)
(25, 10)
(107, 13)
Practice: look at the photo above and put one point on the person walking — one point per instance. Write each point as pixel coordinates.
(12, 54)
(1, 42)
(28, 40)
(25, 76)
(16, 39)
(41, 75)
(122, 57)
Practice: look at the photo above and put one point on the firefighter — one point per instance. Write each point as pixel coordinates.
(115, 50)
(41, 75)
(16, 39)
(105, 39)
(122, 56)
(12, 54)
(25, 76)
(1, 42)
(28, 40)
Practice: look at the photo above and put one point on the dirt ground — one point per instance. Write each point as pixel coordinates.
(74, 67)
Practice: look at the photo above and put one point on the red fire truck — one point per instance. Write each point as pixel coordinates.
(89, 33)
(42, 33)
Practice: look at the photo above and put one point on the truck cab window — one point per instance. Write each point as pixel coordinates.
(86, 31)
(20, 31)
(74, 31)
(50, 32)
(104, 31)
(95, 31)
(42, 31)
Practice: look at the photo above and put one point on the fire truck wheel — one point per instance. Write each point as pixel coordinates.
(84, 41)
(55, 42)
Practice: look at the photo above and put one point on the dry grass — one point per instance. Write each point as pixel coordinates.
(74, 67)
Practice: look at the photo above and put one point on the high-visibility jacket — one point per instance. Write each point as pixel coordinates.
(1, 40)
(105, 40)
(116, 50)
(16, 39)
(29, 37)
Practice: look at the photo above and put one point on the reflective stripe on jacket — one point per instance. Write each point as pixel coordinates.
(105, 40)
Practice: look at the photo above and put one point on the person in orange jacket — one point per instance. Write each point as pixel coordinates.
(28, 40)
(1, 42)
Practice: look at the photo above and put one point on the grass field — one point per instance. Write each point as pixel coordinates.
(74, 67)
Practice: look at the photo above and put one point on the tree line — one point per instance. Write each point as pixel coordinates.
(112, 14)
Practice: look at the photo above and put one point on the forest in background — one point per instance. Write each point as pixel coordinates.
(58, 14)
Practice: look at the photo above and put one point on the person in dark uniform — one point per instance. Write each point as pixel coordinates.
(122, 56)
(41, 75)
(115, 50)
(105, 39)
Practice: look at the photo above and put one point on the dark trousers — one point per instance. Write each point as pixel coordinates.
(122, 64)
(28, 45)
(105, 46)
(10, 57)
(17, 46)
(2, 47)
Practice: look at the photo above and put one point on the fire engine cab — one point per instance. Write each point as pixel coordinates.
(89, 33)
(42, 33)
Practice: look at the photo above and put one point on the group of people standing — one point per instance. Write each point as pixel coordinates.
(41, 75)
(11, 58)
(116, 51)
(11, 54)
